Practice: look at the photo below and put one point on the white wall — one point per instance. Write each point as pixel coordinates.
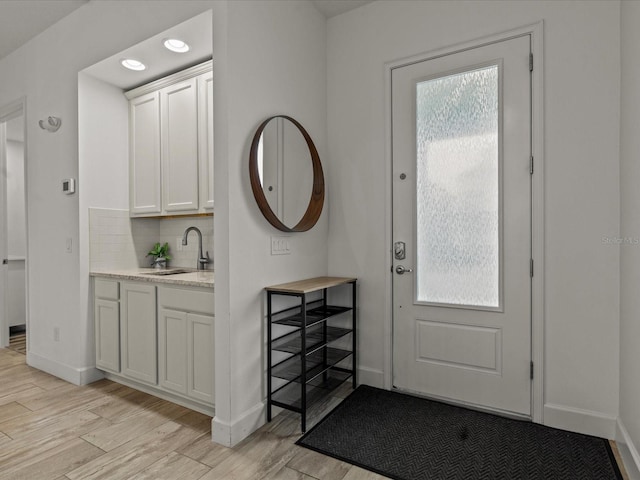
(275, 63)
(581, 85)
(16, 222)
(630, 230)
(16, 297)
(103, 181)
(103, 132)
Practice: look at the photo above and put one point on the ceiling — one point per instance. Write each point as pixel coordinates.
(21, 20)
(197, 32)
(331, 8)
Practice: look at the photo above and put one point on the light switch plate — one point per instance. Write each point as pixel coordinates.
(69, 186)
(280, 246)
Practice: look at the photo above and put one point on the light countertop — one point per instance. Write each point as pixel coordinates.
(192, 278)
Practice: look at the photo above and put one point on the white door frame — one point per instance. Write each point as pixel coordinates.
(537, 203)
(8, 112)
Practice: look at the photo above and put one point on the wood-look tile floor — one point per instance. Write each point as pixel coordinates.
(18, 343)
(52, 430)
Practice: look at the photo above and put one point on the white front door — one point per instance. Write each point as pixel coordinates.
(461, 126)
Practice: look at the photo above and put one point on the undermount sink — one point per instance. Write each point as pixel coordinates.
(173, 271)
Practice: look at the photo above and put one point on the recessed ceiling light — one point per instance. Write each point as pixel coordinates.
(132, 64)
(176, 45)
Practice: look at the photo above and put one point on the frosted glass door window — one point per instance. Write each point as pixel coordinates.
(458, 189)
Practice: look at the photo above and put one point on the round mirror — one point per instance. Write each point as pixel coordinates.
(286, 174)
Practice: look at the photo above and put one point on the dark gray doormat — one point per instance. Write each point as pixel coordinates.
(409, 438)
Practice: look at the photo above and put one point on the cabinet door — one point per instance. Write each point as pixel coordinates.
(200, 355)
(138, 331)
(180, 146)
(107, 332)
(205, 139)
(172, 350)
(144, 155)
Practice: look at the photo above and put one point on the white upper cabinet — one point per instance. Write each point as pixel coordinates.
(205, 139)
(179, 127)
(171, 144)
(144, 155)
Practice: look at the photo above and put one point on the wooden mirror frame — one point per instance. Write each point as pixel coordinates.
(314, 209)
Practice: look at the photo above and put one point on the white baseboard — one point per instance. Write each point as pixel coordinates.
(158, 392)
(580, 421)
(370, 376)
(628, 451)
(77, 376)
(230, 434)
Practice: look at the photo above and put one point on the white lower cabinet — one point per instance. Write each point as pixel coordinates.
(160, 336)
(185, 354)
(138, 331)
(200, 347)
(172, 338)
(107, 325)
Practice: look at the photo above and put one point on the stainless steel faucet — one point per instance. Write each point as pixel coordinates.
(202, 260)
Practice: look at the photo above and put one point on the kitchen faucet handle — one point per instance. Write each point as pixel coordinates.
(205, 259)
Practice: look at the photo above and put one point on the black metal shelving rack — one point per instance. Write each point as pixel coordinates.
(312, 370)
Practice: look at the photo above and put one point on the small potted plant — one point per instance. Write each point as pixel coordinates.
(160, 254)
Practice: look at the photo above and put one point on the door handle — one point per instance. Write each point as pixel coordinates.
(400, 270)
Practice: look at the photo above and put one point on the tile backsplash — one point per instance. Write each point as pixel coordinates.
(120, 242)
(171, 231)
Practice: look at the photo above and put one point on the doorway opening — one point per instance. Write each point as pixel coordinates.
(13, 229)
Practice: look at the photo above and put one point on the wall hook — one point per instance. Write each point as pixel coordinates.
(51, 124)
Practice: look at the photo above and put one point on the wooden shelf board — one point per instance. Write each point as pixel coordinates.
(310, 285)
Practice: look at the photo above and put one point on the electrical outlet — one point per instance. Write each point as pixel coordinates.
(280, 246)
(56, 334)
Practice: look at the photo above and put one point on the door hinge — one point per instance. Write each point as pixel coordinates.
(531, 370)
(531, 62)
(531, 165)
(531, 267)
